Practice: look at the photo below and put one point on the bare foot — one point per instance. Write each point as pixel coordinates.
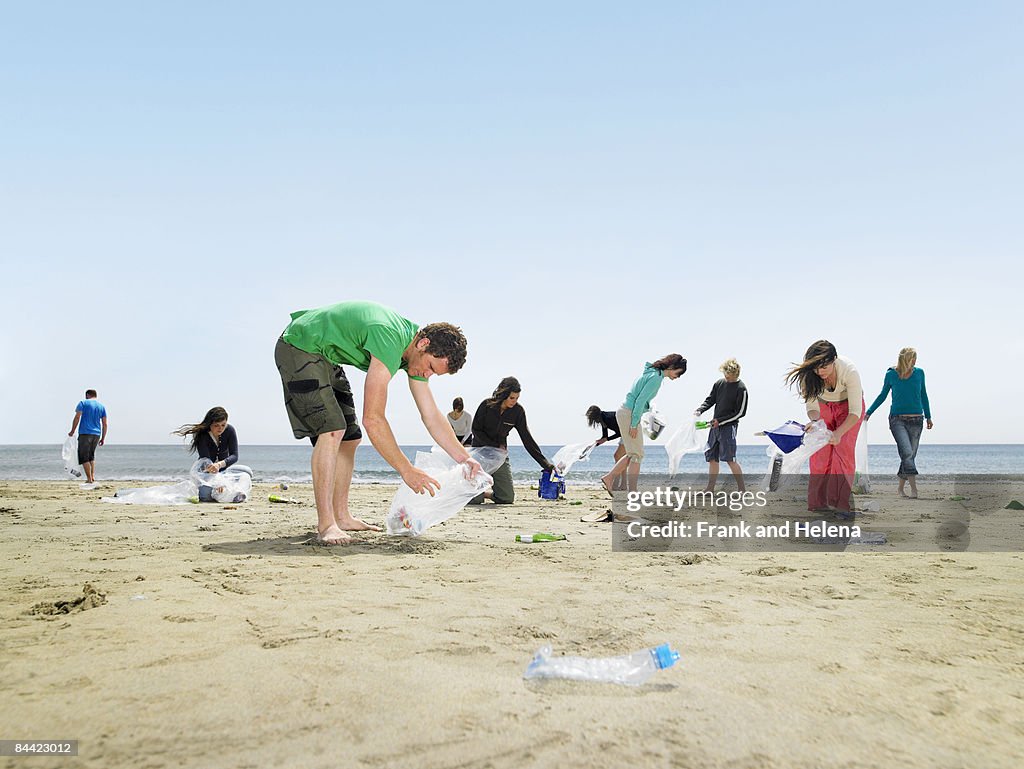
(604, 482)
(332, 535)
(913, 488)
(348, 523)
(903, 482)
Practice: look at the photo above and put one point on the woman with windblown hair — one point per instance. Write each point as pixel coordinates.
(213, 439)
(831, 388)
(909, 401)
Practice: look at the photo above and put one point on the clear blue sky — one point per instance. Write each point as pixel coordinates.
(582, 186)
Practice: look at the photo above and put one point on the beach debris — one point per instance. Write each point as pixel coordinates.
(283, 500)
(90, 599)
(869, 506)
(1014, 505)
(540, 536)
(630, 669)
(283, 486)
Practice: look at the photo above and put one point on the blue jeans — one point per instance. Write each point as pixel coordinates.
(906, 429)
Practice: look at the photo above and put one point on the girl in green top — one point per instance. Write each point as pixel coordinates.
(637, 403)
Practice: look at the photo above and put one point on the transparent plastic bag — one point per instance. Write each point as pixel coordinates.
(231, 486)
(69, 453)
(652, 423)
(569, 455)
(861, 479)
(781, 465)
(684, 441)
(181, 493)
(411, 514)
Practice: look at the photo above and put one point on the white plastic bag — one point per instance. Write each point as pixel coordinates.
(69, 453)
(181, 493)
(652, 423)
(411, 514)
(861, 479)
(569, 455)
(683, 441)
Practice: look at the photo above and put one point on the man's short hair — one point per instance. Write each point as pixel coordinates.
(446, 341)
(90, 393)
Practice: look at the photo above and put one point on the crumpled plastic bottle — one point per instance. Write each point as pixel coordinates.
(631, 669)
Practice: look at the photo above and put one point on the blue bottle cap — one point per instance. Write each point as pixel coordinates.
(664, 656)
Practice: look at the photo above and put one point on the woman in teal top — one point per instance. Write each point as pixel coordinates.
(909, 401)
(637, 403)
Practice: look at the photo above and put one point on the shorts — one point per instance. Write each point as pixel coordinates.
(87, 448)
(721, 444)
(634, 446)
(317, 394)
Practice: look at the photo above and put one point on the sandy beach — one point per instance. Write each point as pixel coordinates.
(212, 636)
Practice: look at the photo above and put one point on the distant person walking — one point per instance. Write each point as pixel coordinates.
(831, 388)
(460, 420)
(637, 403)
(729, 397)
(317, 395)
(91, 423)
(907, 414)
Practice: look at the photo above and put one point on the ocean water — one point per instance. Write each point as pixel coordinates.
(273, 464)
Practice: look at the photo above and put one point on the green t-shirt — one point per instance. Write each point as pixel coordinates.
(350, 332)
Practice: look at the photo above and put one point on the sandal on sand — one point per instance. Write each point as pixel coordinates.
(602, 516)
(611, 493)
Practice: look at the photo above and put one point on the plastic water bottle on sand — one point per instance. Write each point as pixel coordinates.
(631, 669)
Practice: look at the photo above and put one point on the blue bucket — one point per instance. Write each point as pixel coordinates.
(550, 488)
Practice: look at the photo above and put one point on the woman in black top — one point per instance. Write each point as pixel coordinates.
(493, 421)
(609, 432)
(213, 439)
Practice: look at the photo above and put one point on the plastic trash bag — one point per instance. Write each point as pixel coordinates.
(683, 441)
(783, 464)
(69, 453)
(652, 423)
(861, 479)
(569, 455)
(411, 514)
(231, 486)
(181, 493)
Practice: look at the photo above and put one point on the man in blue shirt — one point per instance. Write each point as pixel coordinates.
(91, 423)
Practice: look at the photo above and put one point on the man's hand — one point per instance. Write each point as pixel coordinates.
(71, 433)
(632, 432)
(419, 481)
(473, 467)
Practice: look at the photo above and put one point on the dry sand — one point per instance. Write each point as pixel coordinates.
(215, 639)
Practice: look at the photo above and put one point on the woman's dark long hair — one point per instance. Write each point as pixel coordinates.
(672, 360)
(216, 414)
(819, 354)
(505, 388)
(593, 416)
